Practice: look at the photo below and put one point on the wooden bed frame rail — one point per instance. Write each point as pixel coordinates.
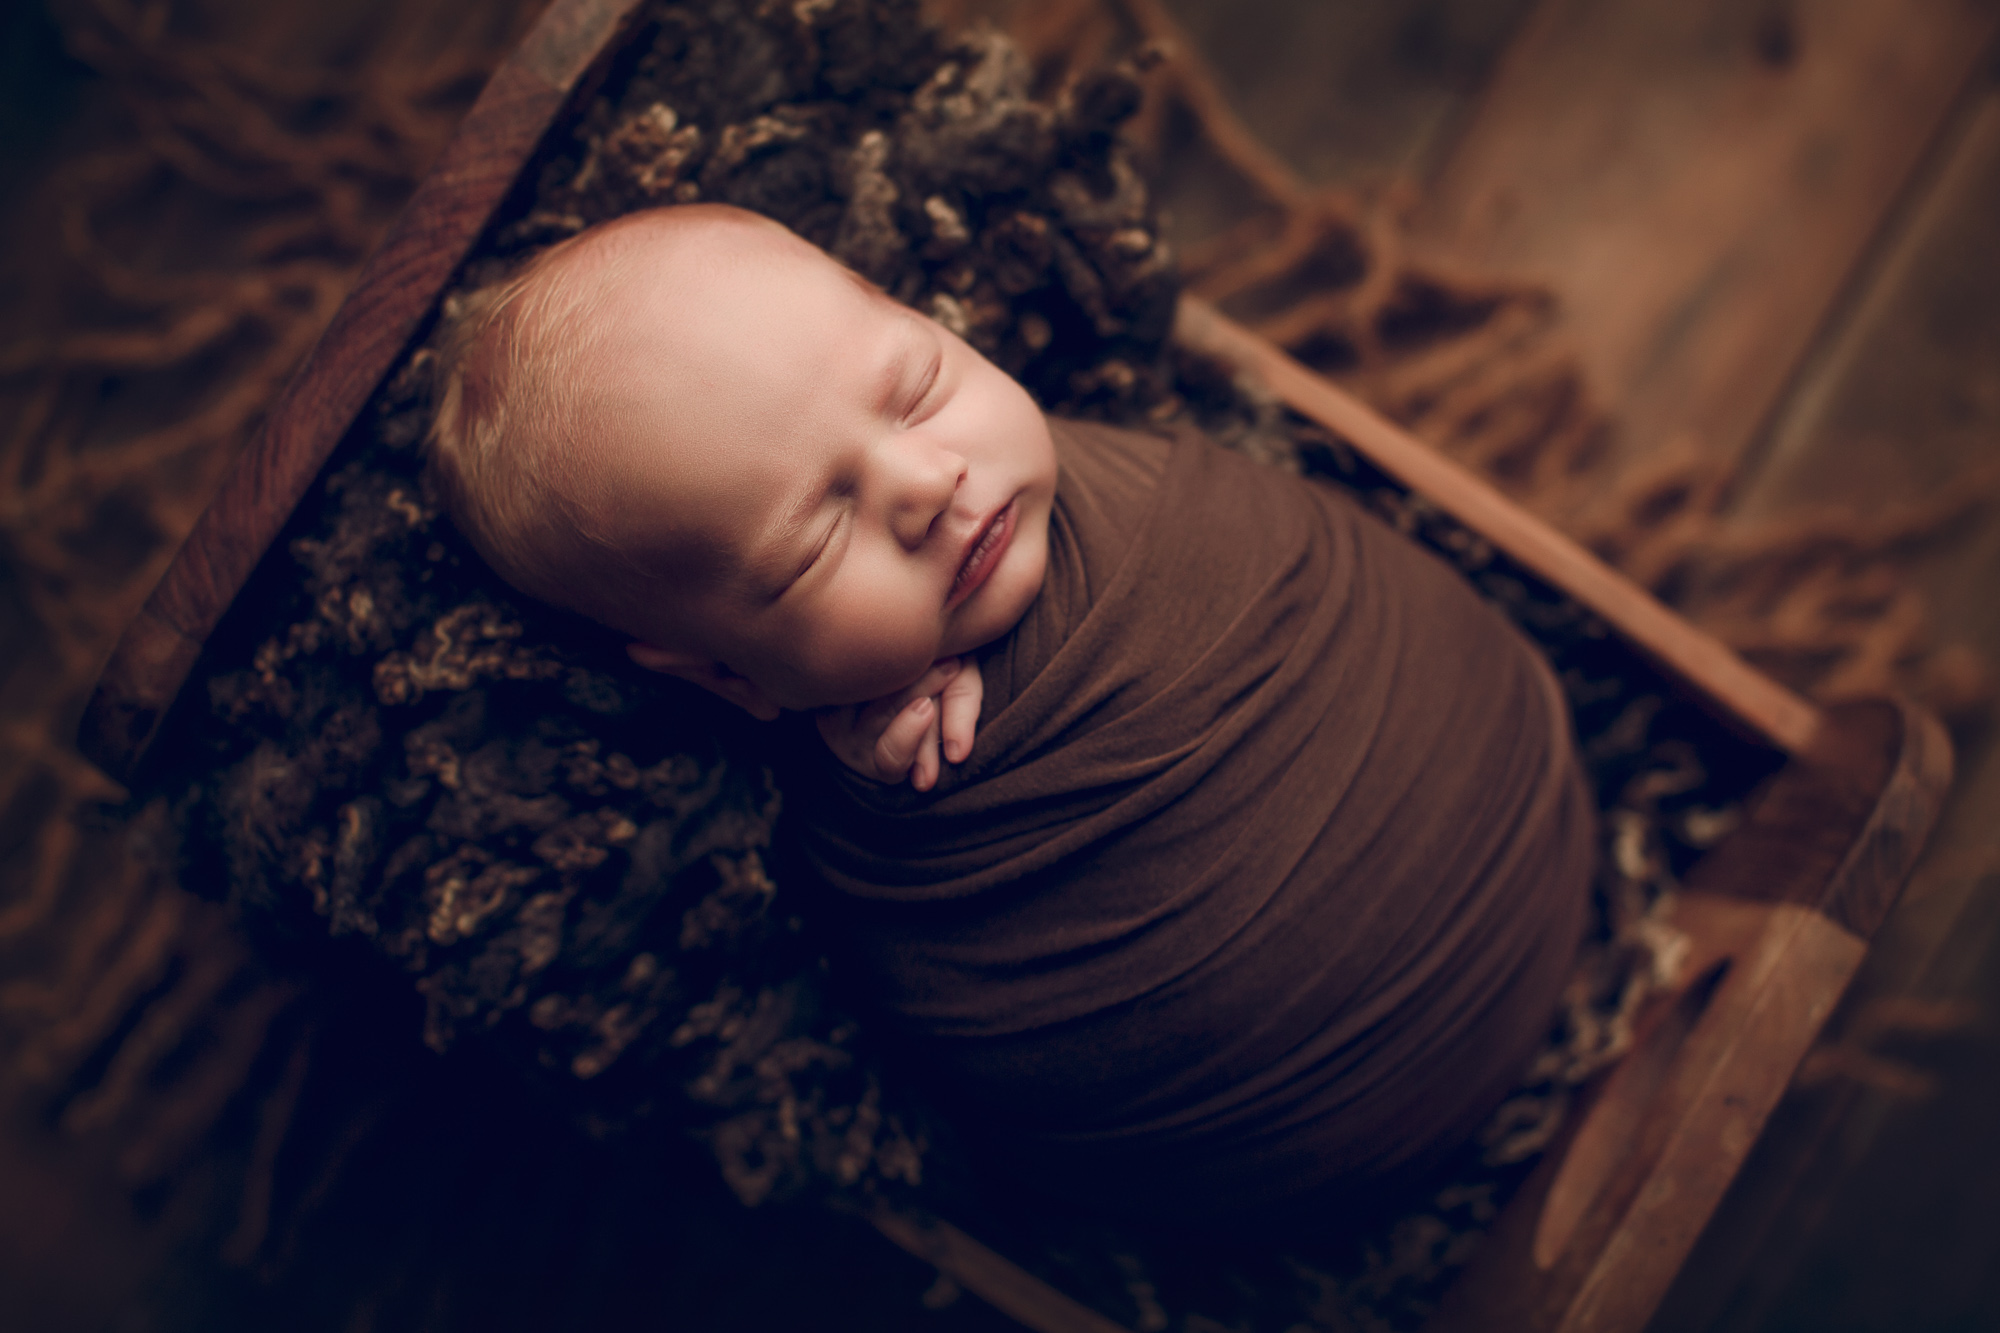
(390, 301)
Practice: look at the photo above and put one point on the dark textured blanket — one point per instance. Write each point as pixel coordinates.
(1268, 864)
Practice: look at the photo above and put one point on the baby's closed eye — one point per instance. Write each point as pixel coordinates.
(925, 388)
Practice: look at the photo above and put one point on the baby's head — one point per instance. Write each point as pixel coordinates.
(699, 430)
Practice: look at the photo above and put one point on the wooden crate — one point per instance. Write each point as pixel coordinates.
(1779, 914)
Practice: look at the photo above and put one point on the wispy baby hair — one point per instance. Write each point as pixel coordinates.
(504, 444)
(511, 452)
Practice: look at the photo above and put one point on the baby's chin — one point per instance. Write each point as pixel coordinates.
(835, 686)
(860, 684)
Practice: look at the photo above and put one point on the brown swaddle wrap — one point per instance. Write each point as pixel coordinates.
(1269, 861)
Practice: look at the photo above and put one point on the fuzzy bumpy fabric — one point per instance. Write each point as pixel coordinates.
(384, 744)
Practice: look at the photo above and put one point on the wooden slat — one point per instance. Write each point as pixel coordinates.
(991, 1276)
(394, 292)
(1697, 180)
(1736, 691)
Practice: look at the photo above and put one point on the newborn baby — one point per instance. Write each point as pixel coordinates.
(1262, 853)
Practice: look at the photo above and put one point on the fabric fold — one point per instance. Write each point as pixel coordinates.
(1268, 864)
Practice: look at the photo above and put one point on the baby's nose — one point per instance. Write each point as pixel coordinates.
(922, 479)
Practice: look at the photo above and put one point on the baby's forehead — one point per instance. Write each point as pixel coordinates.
(701, 341)
(587, 286)
(684, 245)
(724, 251)
(749, 318)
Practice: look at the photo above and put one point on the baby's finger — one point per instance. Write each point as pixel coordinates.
(941, 673)
(959, 709)
(926, 775)
(944, 669)
(897, 748)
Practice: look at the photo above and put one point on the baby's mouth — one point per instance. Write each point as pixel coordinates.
(986, 551)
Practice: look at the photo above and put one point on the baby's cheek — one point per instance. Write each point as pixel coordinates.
(872, 652)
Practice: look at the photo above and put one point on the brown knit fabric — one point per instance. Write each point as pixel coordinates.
(1268, 863)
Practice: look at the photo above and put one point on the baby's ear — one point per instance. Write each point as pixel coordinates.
(708, 673)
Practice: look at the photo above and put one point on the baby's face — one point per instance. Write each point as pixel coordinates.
(863, 491)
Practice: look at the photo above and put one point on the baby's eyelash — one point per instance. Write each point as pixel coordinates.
(819, 551)
(932, 373)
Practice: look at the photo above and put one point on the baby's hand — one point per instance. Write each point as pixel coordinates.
(900, 735)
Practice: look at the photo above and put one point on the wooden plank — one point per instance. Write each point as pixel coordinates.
(1351, 95)
(1902, 402)
(991, 1276)
(1696, 181)
(1780, 988)
(394, 292)
(1737, 692)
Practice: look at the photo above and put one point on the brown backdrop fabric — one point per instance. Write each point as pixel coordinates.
(1268, 864)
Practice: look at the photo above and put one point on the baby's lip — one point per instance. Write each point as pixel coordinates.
(989, 542)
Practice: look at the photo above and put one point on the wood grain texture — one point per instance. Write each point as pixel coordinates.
(991, 1276)
(1736, 692)
(394, 292)
(1840, 828)
(1792, 1214)
(1902, 401)
(1697, 181)
(1778, 919)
